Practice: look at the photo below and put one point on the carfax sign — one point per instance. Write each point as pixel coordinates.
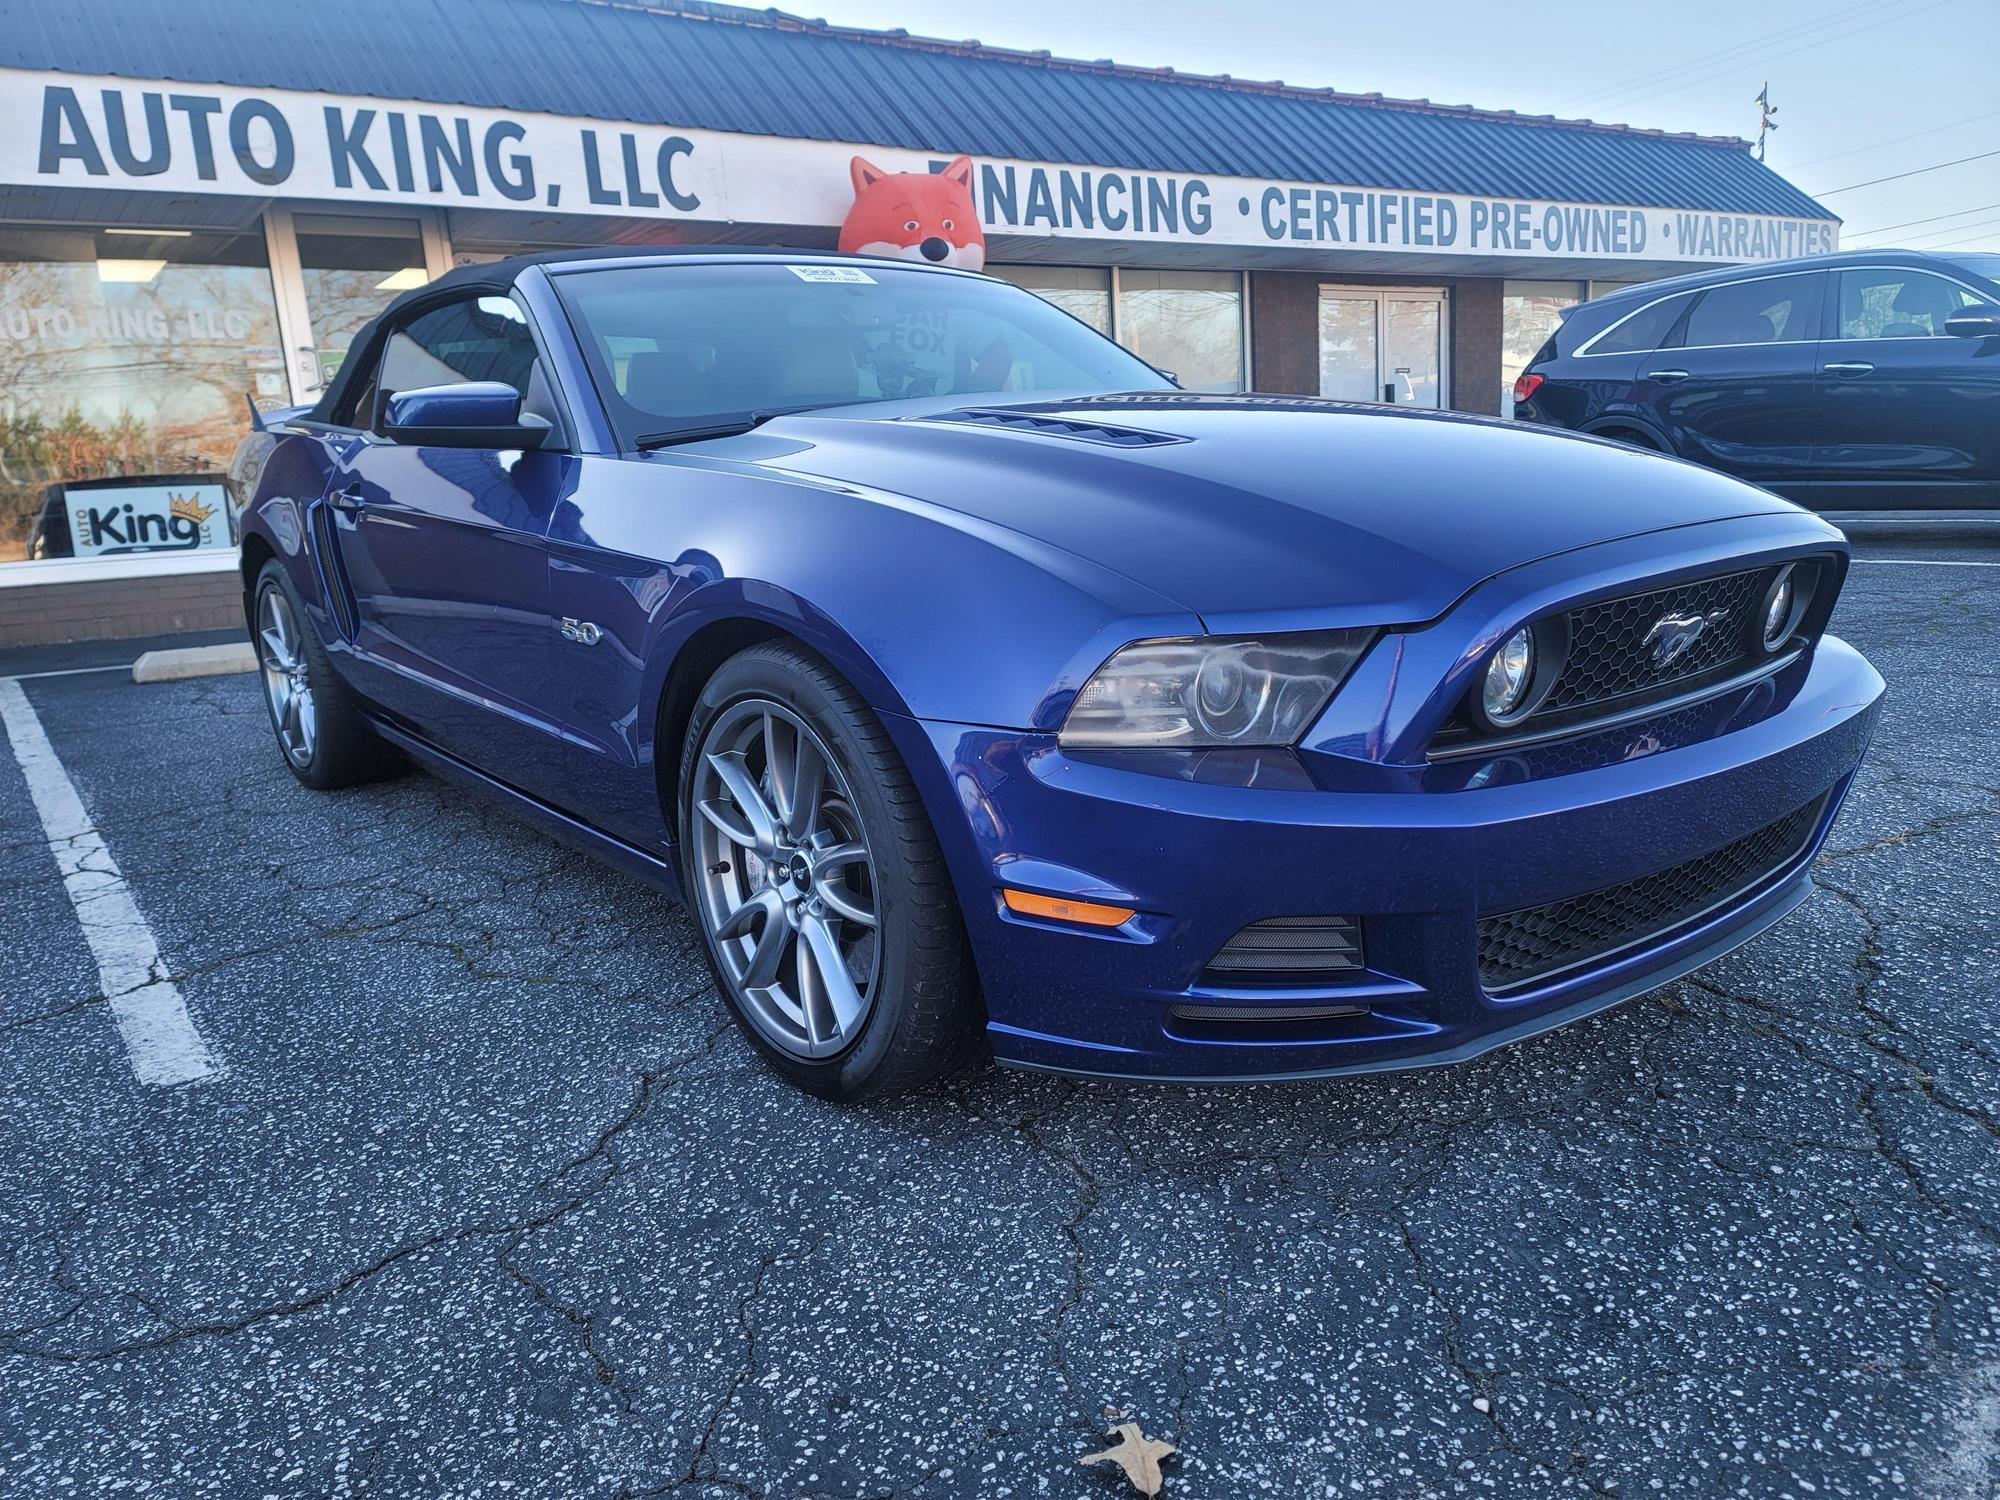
(68, 131)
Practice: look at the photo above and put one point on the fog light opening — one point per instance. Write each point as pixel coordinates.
(1784, 604)
(1510, 672)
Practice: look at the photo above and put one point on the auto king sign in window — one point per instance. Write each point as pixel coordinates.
(107, 517)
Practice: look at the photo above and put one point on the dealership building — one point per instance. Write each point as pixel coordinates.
(206, 201)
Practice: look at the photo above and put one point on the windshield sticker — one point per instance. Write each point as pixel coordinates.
(847, 274)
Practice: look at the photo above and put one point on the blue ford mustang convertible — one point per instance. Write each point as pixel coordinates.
(964, 677)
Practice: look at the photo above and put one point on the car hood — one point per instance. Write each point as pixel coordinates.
(1249, 509)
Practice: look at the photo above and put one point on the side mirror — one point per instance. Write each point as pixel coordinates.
(1979, 321)
(471, 414)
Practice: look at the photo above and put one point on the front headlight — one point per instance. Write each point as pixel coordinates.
(1214, 692)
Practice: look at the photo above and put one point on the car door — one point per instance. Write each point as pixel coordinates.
(1732, 385)
(444, 551)
(1907, 411)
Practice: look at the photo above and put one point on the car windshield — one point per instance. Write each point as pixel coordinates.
(683, 349)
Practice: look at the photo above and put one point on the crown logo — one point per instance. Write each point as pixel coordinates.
(189, 508)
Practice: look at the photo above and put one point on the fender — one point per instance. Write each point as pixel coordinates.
(678, 664)
(275, 478)
(754, 601)
(1600, 426)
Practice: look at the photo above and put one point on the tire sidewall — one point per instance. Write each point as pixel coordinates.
(755, 676)
(315, 772)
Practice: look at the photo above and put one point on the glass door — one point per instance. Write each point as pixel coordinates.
(1383, 344)
(1350, 346)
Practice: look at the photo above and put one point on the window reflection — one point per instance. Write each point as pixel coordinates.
(1186, 322)
(125, 355)
(1082, 292)
(353, 268)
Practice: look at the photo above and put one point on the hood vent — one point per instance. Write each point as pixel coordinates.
(1058, 427)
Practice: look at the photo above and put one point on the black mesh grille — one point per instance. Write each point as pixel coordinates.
(1293, 949)
(1520, 947)
(1620, 657)
(1615, 646)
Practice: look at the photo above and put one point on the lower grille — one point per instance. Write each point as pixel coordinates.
(1289, 950)
(1518, 948)
(1265, 1012)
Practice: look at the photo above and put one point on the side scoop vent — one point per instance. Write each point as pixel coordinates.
(1059, 427)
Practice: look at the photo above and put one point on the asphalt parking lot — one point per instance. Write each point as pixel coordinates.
(486, 1196)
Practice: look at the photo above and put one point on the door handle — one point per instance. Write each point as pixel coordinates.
(1666, 377)
(347, 501)
(1850, 367)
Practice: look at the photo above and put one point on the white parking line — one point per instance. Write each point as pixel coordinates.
(160, 1037)
(1919, 562)
(123, 666)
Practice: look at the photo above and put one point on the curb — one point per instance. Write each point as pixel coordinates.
(195, 661)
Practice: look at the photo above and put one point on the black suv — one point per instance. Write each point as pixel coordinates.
(1864, 378)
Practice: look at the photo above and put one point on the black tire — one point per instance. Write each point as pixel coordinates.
(1633, 438)
(344, 750)
(924, 1009)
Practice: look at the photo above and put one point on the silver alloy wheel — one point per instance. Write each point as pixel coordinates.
(287, 680)
(785, 883)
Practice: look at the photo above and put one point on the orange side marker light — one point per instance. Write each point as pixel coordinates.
(1089, 913)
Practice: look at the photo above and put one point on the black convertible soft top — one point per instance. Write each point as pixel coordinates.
(499, 277)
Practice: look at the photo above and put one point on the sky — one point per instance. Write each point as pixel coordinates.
(1864, 89)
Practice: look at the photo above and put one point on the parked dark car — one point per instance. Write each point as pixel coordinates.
(1867, 378)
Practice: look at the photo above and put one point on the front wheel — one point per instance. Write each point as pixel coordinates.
(817, 882)
(320, 729)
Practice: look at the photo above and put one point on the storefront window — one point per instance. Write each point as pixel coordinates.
(125, 358)
(1529, 313)
(1187, 322)
(1079, 291)
(353, 267)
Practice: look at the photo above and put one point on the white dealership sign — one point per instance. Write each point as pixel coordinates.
(117, 516)
(61, 130)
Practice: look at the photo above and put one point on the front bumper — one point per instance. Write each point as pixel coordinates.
(1416, 853)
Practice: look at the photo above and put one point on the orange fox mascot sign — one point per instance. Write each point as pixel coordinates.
(922, 216)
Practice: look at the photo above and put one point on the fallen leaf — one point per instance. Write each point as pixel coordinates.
(1138, 1455)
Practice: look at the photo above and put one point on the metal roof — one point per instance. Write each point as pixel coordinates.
(764, 72)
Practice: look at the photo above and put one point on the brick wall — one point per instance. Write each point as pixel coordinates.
(42, 614)
(1475, 346)
(1284, 334)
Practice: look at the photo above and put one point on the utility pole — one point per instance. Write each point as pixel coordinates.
(1766, 123)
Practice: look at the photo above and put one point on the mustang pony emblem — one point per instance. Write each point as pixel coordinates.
(1673, 636)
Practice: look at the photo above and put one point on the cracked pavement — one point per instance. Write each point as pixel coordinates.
(492, 1199)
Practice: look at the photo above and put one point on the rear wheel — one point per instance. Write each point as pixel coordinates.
(319, 727)
(817, 882)
(1631, 437)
